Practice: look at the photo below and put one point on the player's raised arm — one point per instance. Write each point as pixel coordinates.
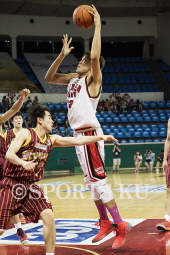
(52, 76)
(16, 106)
(71, 141)
(96, 48)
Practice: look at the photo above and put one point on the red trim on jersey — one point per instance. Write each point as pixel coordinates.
(81, 129)
(88, 90)
(95, 161)
(87, 164)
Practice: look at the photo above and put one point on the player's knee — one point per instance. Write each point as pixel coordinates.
(47, 215)
(2, 231)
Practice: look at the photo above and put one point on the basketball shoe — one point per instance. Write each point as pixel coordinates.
(165, 225)
(122, 229)
(106, 227)
(22, 236)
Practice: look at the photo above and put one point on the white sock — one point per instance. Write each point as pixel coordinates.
(18, 225)
(47, 253)
(167, 217)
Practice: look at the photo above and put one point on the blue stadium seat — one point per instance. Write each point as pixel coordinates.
(162, 133)
(120, 126)
(127, 134)
(161, 125)
(154, 134)
(131, 141)
(101, 120)
(104, 127)
(123, 141)
(163, 140)
(132, 131)
(156, 141)
(162, 118)
(137, 126)
(147, 119)
(116, 119)
(58, 107)
(146, 134)
(140, 141)
(137, 134)
(148, 141)
(155, 119)
(112, 127)
(120, 135)
(155, 129)
(60, 121)
(163, 129)
(139, 119)
(107, 131)
(144, 126)
(109, 120)
(132, 119)
(124, 119)
(129, 126)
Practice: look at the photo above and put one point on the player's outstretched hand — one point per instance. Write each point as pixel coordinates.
(29, 165)
(95, 14)
(66, 45)
(24, 93)
(110, 138)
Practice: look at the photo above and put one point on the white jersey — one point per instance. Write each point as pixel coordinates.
(81, 106)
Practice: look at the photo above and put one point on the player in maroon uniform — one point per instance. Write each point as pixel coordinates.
(84, 89)
(4, 117)
(24, 165)
(17, 121)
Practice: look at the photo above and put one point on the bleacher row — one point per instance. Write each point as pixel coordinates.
(130, 89)
(134, 116)
(126, 68)
(128, 79)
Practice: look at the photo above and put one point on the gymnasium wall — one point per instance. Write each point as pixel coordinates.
(162, 42)
(127, 154)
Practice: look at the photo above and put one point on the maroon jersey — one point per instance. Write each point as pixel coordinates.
(33, 150)
(9, 137)
(2, 149)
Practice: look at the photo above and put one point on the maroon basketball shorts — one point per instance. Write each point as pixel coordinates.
(21, 196)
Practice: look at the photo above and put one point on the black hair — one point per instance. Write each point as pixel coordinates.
(101, 59)
(162, 150)
(17, 114)
(37, 111)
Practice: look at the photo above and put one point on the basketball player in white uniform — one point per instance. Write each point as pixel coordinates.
(84, 88)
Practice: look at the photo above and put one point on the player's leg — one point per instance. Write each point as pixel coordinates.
(165, 225)
(49, 231)
(20, 232)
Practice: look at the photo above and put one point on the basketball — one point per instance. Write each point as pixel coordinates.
(82, 18)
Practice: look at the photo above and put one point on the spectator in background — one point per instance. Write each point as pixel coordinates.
(130, 106)
(66, 121)
(100, 107)
(150, 158)
(160, 160)
(138, 161)
(4, 104)
(123, 105)
(35, 101)
(27, 122)
(11, 103)
(116, 158)
(106, 105)
(138, 105)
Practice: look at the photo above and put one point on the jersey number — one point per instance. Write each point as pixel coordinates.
(70, 102)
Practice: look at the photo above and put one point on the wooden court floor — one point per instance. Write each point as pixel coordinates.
(138, 196)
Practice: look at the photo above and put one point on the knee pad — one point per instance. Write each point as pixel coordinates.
(105, 192)
(102, 192)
